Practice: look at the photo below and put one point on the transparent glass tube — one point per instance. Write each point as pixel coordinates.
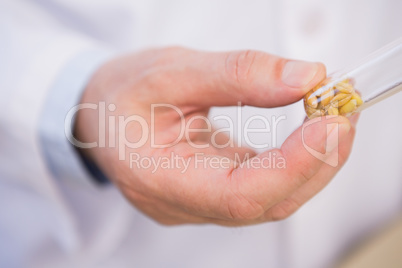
(354, 89)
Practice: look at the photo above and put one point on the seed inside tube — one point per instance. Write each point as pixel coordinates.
(312, 102)
(333, 111)
(326, 97)
(345, 87)
(348, 107)
(340, 96)
(344, 101)
(356, 97)
(339, 99)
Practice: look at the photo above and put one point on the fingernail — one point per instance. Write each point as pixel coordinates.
(298, 73)
(335, 133)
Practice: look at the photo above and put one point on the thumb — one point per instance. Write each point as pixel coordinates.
(266, 186)
(251, 77)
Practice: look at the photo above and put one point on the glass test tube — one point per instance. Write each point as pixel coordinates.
(352, 90)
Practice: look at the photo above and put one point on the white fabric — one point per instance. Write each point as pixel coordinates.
(51, 222)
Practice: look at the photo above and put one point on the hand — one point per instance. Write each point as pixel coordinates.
(192, 81)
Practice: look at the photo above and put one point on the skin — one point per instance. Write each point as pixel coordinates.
(194, 81)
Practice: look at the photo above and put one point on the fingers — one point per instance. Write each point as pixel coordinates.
(228, 148)
(317, 183)
(288, 206)
(265, 187)
(245, 193)
(251, 77)
(266, 80)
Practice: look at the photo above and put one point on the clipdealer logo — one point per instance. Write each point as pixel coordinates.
(117, 126)
(331, 154)
(200, 160)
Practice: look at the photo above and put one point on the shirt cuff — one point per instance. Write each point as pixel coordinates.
(62, 158)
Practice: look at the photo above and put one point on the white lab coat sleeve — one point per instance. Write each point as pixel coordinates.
(54, 127)
(44, 68)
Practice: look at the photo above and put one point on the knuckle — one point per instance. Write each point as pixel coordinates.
(240, 64)
(168, 55)
(305, 175)
(344, 152)
(283, 210)
(242, 208)
(160, 66)
(163, 66)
